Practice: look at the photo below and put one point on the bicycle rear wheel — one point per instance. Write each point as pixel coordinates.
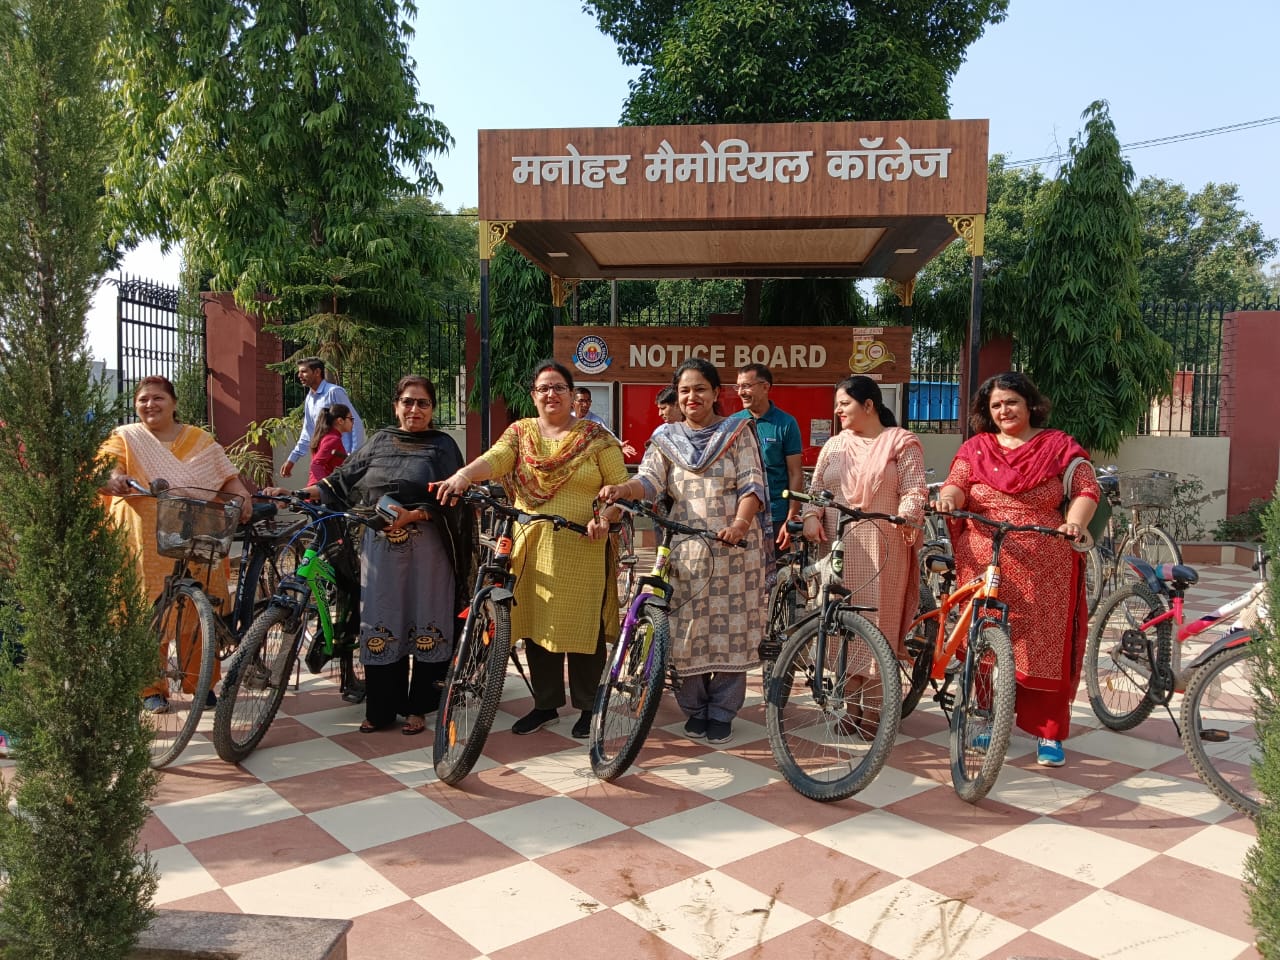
(1094, 577)
(786, 607)
(472, 690)
(1119, 655)
(629, 693)
(830, 740)
(256, 681)
(921, 644)
(1154, 546)
(982, 717)
(1218, 732)
(188, 650)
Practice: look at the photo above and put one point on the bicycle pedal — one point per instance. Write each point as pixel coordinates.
(1214, 735)
(769, 649)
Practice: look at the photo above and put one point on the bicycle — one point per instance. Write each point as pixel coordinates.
(794, 591)
(830, 714)
(478, 670)
(623, 535)
(193, 527)
(305, 611)
(1134, 491)
(971, 623)
(633, 679)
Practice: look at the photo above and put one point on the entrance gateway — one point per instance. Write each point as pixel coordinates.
(875, 199)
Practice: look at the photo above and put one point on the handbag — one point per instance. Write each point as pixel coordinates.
(1098, 525)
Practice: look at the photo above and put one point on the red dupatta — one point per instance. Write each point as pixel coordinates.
(1016, 471)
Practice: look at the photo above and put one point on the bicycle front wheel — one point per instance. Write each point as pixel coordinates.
(185, 630)
(472, 690)
(831, 733)
(1218, 726)
(629, 693)
(256, 681)
(1094, 577)
(1154, 546)
(982, 717)
(1119, 655)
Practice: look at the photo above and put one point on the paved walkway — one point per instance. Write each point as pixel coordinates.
(707, 853)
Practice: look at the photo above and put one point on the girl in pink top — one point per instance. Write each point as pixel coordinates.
(327, 451)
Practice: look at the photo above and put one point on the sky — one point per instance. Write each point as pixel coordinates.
(1166, 67)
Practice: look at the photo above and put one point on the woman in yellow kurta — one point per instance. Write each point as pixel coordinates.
(158, 447)
(566, 604)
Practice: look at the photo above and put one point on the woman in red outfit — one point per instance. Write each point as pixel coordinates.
(1011, 469)
(327, 451)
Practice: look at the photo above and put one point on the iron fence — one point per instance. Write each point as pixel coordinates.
(160, 332)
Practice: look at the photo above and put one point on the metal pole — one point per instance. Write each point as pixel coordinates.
(484, 354)
(975, 335)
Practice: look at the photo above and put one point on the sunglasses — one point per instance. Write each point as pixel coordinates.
(411, 402)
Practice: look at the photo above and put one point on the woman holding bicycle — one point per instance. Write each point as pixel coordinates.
(710, 468)
(873, 464)
(159, 447)
(1012, 469)
(566, 600)
(415, 572)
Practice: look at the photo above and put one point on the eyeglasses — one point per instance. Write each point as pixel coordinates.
(411, 402)
(547, 389)
(748, 385)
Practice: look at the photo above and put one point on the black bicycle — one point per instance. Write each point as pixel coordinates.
(473, 686)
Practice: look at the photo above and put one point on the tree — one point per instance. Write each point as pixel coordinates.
(763, 61)
(279, 141)
(1086, 344)
(74, 886)
(1200, 246)
(523, 321)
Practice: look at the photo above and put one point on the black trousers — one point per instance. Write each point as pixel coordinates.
(391, 691)
(546, 675)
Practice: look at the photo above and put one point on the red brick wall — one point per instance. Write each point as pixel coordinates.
(1250, 411)
(241, 388)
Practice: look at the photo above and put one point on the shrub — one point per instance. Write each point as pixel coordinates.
(1244, 526)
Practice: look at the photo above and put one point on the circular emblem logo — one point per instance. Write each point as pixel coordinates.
(592, 355)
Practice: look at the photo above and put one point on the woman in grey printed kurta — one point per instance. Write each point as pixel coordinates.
(710, 469)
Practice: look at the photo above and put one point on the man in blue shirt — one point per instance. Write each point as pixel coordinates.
(780, 445)
(320, 394)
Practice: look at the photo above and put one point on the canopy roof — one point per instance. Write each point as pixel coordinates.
(874, 199)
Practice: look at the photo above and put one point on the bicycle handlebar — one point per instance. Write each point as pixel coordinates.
(645, 510)
(481, 496)
(825, 498)
(318, 512)
(1007, 527)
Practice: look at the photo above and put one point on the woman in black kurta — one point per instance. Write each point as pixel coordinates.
(415, 575)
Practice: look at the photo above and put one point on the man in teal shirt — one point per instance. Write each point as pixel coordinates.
(780, 445)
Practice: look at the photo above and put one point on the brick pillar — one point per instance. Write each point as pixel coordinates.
(1247, 407)
(994, 357)
(241, 388)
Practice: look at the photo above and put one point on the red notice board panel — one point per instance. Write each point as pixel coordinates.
(811, 406)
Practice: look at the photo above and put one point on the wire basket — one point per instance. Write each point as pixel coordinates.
(1147, 488)
(194, 524)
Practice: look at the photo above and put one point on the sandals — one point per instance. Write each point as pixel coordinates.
(414, 725)
(368, 727)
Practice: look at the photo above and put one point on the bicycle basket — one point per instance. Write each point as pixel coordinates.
(194, 524)
(1147, 488)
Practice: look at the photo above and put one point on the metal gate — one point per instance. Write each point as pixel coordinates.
(159, 334)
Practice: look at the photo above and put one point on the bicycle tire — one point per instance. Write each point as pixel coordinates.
(1154, 546)
(929, 580)
(830, 750)
(1118, 654)
(256, 681)
(984, 706)
(187, 611)
(472, 690)
(920, 644)
(1219, 698)
(627, 578)
(629, 693)
(1094, 577)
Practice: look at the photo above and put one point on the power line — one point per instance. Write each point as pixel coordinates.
(1161, 141)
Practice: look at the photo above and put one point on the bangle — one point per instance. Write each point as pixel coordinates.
(738, 520)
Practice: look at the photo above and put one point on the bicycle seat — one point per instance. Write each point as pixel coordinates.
(939, 563)
(1179, 574)
(262, 510)
(1108, 483)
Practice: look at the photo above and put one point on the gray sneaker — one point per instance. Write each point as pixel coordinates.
(719, 731)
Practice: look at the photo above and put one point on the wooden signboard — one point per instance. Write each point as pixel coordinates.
(794, 355)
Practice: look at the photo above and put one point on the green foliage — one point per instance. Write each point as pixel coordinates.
(1086, 344)
(1182, 518)
(74, 885)
(818, 303)
(1262, 864)
(1200, 246)
(284, 145)
(1243, 527)
(761, 61)
(522, 318)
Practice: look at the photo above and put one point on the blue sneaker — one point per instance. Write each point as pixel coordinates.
(1049, 753)
(980, 742)
(155, 704)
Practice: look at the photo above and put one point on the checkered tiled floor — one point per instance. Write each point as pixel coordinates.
(708, 853)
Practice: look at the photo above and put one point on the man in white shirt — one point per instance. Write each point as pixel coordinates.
(320, 394)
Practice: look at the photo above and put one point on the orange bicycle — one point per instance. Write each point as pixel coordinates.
(975, 651)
